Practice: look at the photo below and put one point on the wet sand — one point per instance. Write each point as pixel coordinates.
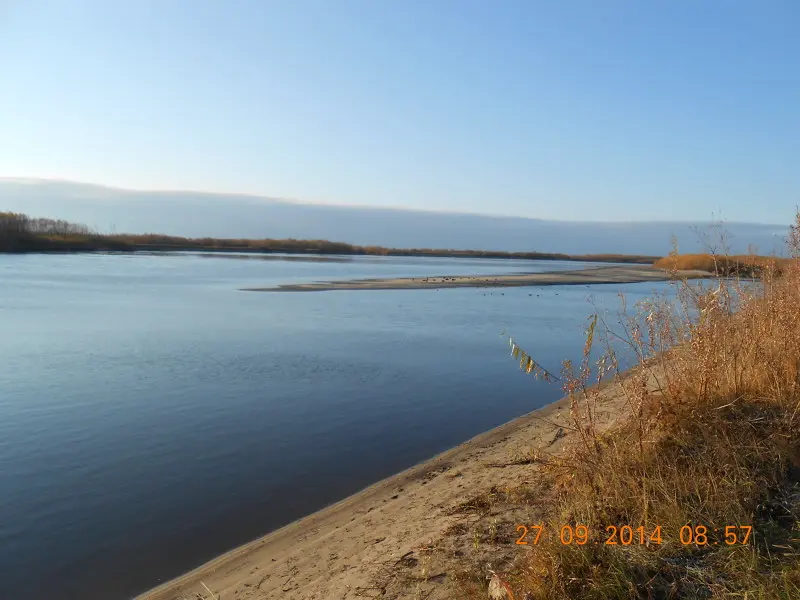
(591, 276)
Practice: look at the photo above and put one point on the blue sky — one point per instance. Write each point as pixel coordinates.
(601, 110)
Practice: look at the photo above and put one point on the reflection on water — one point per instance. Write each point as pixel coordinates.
(281, 257)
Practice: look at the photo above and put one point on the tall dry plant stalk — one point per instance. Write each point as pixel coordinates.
(709, 437)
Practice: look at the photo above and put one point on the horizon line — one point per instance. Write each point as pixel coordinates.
(285, 200)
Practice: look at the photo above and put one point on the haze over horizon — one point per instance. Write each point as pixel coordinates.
(576, 111)
(100, 190)
(191, 214)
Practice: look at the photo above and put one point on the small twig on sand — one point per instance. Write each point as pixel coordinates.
(213, 595)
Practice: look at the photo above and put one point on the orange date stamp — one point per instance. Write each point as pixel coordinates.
(627, 535)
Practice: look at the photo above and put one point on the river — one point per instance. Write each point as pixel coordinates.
(152, 415)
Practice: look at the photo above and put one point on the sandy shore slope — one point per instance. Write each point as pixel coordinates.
(399, 537)
(595, 275)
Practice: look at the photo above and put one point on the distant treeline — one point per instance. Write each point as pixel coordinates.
(293, 246)
(21, 233)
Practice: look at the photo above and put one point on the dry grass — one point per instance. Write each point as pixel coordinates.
(710, 438)
(744, 265)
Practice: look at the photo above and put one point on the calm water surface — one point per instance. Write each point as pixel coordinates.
(152, 416)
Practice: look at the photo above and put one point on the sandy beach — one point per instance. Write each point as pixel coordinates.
(591, 276)
(400, 536)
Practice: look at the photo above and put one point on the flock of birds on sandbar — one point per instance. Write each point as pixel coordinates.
(485, 281)
(442, 279)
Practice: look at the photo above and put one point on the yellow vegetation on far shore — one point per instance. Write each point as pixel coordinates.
(746, 265)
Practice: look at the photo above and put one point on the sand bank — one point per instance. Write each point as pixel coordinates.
(594, 275)
(399, 537)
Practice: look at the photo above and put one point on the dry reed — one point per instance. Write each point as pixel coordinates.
(709, 440)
